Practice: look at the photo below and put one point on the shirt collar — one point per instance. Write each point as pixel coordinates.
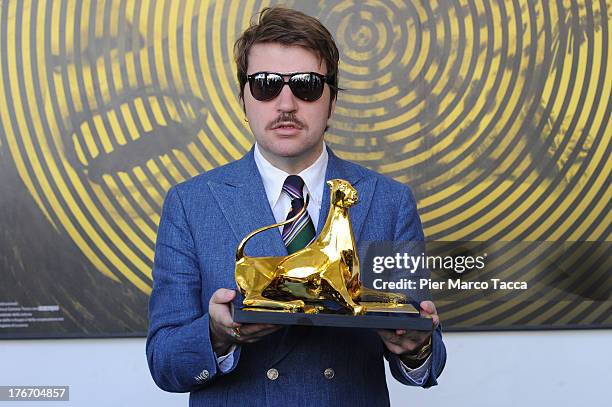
(273, 178)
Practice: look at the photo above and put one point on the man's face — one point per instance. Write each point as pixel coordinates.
(287, 127)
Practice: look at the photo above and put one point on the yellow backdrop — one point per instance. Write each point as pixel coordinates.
(496, 113)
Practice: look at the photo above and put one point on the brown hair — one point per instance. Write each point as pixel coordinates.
(288, 27)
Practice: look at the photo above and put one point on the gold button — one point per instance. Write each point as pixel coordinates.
(329, 373)
(272, 374)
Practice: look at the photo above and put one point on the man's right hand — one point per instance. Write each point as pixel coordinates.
(222, 324)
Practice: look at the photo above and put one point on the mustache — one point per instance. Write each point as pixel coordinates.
(287, 118)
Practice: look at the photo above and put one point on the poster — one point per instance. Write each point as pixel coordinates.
(496, 114)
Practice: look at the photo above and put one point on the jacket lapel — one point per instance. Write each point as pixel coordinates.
(243, 202)
(338, 168)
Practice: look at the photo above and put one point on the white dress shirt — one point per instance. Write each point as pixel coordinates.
(314, 178)
(273, 179)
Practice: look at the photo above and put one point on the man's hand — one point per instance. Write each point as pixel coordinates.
(402, 342)
(224, 331)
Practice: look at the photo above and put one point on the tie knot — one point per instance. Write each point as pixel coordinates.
(294, 186)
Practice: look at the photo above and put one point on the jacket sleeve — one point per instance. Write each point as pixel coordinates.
(409, 229)
(179, 349)
(438, 360)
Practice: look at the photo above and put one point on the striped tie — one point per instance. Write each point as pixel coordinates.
(299, 233)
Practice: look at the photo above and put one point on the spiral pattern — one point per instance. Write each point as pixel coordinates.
(496, 113)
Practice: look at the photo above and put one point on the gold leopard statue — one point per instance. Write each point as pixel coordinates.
(326, 269)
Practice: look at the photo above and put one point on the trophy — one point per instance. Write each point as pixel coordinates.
(319, 284)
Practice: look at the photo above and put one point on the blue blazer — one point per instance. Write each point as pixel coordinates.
(203, 220)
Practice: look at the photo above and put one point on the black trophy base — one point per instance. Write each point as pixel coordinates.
(373, 320)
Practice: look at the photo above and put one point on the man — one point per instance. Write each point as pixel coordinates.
(287, 70)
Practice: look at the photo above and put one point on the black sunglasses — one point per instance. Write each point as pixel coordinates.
(307, 86)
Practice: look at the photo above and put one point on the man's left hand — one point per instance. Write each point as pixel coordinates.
(403, 342)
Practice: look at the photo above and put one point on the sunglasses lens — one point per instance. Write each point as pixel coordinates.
(306, 86)
(265, 86)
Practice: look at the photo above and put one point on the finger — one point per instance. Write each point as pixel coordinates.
(222, 296)
(435, 318)
(411, 340)
(221, 315)
(258, 335)
(396, 349)
(409, 344)
(266, 331)
(386, 334)
(429, 307)
(389, 337)
(252, 329)
(415, 336)
(219, 310)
